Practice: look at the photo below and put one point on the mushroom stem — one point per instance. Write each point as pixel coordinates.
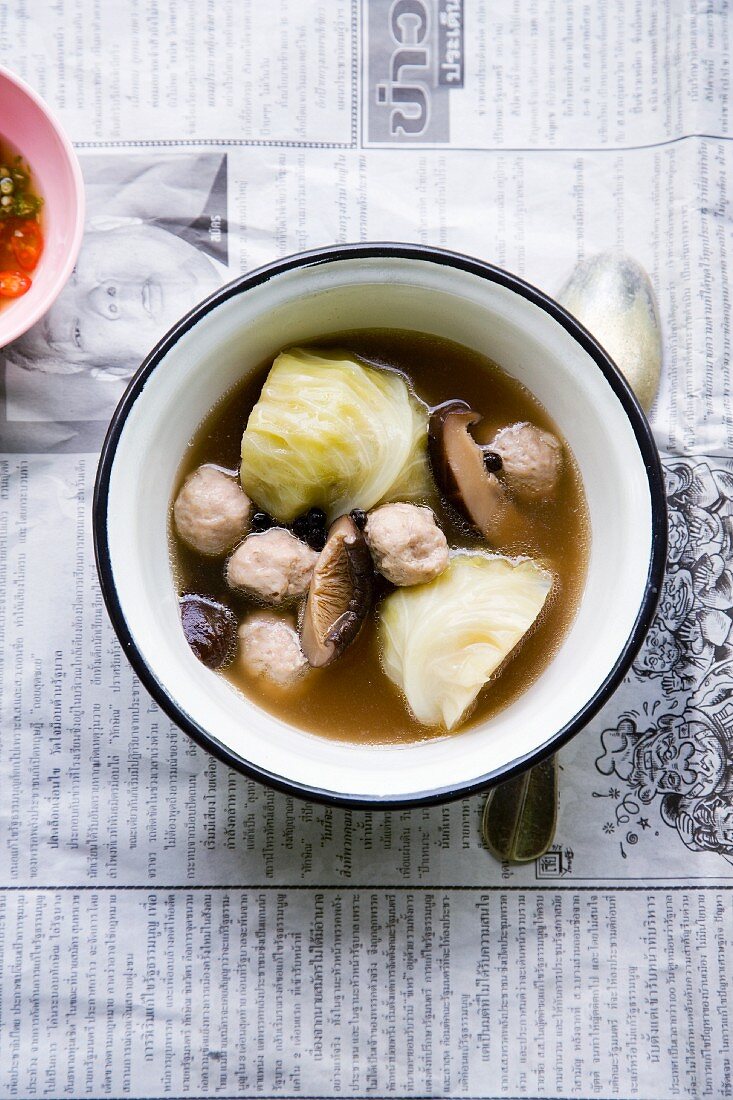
(339, 596)
(465, 471)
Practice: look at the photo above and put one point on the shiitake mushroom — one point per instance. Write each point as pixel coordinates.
(340, 594)
(210, 629)
(464, 472)
(311, 528)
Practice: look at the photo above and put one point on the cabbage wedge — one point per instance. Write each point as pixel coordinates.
(328, 431)
(442, 641)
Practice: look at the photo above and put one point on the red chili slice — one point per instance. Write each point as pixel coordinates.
(13, 284)
(27, 243)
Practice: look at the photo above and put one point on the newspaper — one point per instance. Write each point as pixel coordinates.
(169, 928)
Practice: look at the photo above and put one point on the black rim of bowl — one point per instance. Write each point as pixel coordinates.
(483, 270)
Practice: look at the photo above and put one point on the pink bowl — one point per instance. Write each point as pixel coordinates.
(27, 124)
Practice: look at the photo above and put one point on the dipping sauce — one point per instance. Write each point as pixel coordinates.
(353, 699)
(21, 234)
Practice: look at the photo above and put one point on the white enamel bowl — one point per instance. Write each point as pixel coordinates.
(381, 286)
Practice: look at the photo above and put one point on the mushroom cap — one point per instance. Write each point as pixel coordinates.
(339, 596)
(210, 628)
(459, 469)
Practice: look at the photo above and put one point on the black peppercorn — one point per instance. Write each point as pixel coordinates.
(492, 461)
(261, 521)
(311, 528)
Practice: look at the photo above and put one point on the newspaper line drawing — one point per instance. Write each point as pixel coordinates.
(677, 745)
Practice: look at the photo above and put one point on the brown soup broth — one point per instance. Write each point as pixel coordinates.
(353, 699)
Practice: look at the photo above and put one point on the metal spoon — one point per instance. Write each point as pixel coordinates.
(612, 296)
(519, 818)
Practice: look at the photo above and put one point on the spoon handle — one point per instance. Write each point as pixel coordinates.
(520, 815)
